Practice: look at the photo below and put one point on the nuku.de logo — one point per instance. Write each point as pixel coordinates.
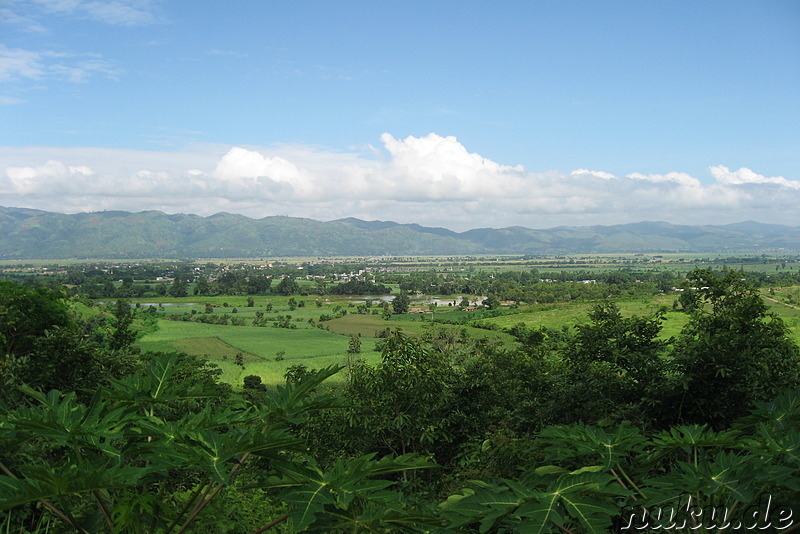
(763, 515)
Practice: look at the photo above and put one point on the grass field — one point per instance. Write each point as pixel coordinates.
(269, 351)
(558, 315)
(788, 311)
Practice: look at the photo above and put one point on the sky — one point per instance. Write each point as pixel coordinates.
(460, 114)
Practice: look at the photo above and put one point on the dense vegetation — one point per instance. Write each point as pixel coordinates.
(590, 429)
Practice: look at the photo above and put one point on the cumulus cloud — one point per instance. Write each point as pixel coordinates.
(598, 174)
(435, 167)
(744, 175)
(680, 178)
(432, 180)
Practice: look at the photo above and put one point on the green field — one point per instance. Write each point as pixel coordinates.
(556, 316)
(260, 347)
(268, 351)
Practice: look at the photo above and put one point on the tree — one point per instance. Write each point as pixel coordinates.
(401, 302)
(179, 288)
(354, 344)
(26, 313)
(689, 300)
(320, 287)
(201, 287)
(258, 284)
(122, 336)
(491, 302)
(287, 286)
(253, 389)
(47, 348)
(732, 353)
(611, 365)
(404, 404)
(96, 473)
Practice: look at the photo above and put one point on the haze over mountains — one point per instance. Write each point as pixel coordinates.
(33, 234)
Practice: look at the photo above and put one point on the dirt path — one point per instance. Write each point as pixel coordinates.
(779, 302)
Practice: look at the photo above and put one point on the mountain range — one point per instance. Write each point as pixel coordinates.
(34, 234)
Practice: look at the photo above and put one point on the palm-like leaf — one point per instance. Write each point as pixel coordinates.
(39, 482)
(348, 487)
(540, 503)
(290, 402)
(592, 444)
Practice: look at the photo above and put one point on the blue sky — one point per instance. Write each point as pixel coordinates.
(457, 114)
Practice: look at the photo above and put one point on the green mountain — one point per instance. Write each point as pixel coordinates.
(32, 234)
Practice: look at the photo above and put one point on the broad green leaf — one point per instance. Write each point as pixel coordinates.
(311, 491)
(39, 482)
(589, 443)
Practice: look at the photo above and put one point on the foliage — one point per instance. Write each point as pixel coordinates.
(601, 480)
(354, 344)
(491, 302)
(732, 353)
(403, 404)
(611, 365)
(26, 313)
(108, 464)
(287, 286)
(122, 336)
(179, 287)
(50, 348)
(401, 303)
(349, 497)
(358, 287)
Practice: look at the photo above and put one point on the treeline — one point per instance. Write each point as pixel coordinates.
(531, 286)
(521, 285)
(359, 287)
(593, 429)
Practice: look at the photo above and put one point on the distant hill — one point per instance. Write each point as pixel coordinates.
(34, 234)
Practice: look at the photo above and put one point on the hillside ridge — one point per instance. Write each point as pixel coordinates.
(35, 234)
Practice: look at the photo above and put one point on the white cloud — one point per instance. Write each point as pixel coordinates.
(432, 180)
(744, 175)
(83, 69)
(435, 167)
(8, 17)
(227, 53)
(116, 12)
(598, 174)
(680, 178)
(50, 178)
(10, 100)
(16, 64)
(248, 171)
(19, 64)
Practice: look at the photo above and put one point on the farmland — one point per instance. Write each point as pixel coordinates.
(214, 312)
(314, 330)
